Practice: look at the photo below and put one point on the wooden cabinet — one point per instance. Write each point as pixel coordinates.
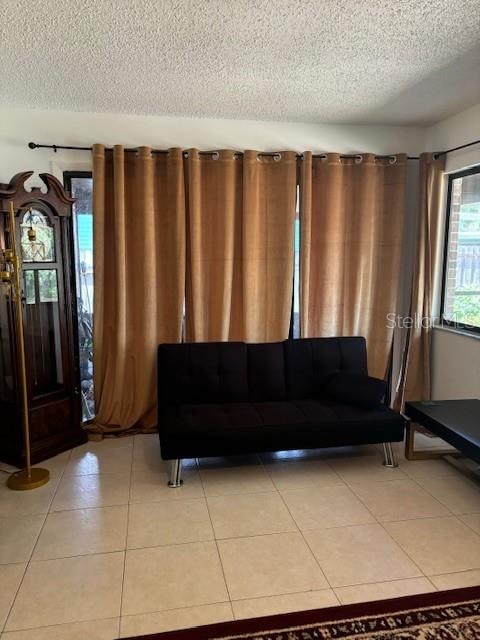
(45, 243)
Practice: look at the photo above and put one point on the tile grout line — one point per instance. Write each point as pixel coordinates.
(452, 514)
(216, 542)
(394, 541)
(72, 476)
(243, 537)
(276, 490)
(27, 564)
(466, 523)
(415, 480)
(406, 479)
(57, 624)
(126, 541)
(169, 610)
(376, 521)
(304, 539)
(84, 508)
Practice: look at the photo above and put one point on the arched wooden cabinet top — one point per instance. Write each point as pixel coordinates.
(55, 197)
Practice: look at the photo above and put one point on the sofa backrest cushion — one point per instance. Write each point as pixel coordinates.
(311, 362)
(216, 372)
(266, 372)
(197, 373)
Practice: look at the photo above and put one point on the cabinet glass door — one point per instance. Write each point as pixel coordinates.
(42, 328)
(7, 381)
(42, 300)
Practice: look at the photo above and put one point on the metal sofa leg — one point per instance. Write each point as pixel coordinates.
(389, 456)
(175, 474)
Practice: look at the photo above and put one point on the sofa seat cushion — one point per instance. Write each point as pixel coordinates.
(301, 414)
(188, 431)
(224, 416)
(330, 411)
(280, 413)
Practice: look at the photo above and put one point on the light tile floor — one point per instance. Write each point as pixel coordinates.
(107, 550)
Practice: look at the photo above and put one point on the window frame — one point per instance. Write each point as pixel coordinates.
(67, 182)
(448, 212)
(68, 175)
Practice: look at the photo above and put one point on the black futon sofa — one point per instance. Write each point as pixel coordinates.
(226, 398)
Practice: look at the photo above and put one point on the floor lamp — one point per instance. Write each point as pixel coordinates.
(10, 275)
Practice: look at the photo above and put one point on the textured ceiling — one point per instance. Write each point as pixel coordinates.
(356, 61)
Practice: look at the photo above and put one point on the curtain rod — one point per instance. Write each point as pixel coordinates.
(462, 146)
(56, 147)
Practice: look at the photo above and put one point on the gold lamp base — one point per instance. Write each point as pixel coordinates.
(21, 481)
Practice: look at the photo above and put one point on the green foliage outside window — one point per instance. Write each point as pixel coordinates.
(466, 309)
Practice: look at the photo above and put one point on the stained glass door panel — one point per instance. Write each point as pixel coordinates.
(37, 237)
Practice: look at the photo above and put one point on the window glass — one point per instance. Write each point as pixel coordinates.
(47, 285)
(80, 187)
(29, 292)
(461, 303)
(42, 330)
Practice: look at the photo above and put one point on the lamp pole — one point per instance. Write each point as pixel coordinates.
(11, 275)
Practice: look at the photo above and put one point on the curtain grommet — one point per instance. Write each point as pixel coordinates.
(358, 159)
(277, 157)
(392, 160)
(215, 155)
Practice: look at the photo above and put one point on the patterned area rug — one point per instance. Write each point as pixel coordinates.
(445, 615)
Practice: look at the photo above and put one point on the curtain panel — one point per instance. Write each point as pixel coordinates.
(240, 234)
(269, 198)
(139, 244)
(214, 304)
(415, 374)
(352, 213)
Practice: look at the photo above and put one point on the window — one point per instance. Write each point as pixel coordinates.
(461, 280)
(80, 186)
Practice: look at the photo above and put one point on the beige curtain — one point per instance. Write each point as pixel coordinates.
(352, 214)
(269, 196)
(415, 375)
(139, 235)
(214, 247)
(241, 213)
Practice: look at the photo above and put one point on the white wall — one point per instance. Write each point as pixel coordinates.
(459, 129)
(455, 356)
(17, 128)
(456, 365)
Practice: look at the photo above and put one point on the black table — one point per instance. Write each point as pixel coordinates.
(455, 421)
